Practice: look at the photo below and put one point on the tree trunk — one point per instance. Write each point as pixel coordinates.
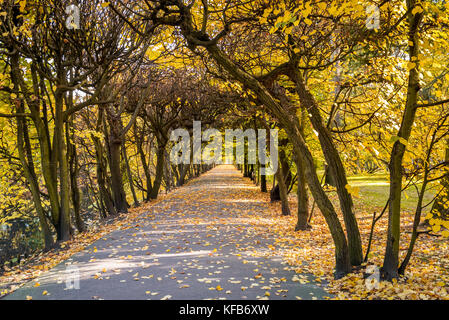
(48, 161)
(143, 160)
(25, 155)
(391, 260)
(336, 167)
(74, 169)
(183, 168)
(105, 195)
(118, 190)
(130, 177)
(64, 226)
(303, 199)
(159, 171)
(263, 180)
(283, 192)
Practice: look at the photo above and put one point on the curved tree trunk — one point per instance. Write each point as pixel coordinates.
(105, 194)
(47, 158)
(73, 173)
(263, 180)
(26, 158)
(303, 199)
(183, 169)
(118, 190)
(283, 192)
(143, 160)
(130, 176)
(391, 260)
(159, 171)
(64, 228)
(336, 167)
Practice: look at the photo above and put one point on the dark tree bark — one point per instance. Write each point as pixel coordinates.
(160, 154)
(26, 158)
(389, 269)
(115, 143)
(303, 199)
(116, 176)
(64, 226)
(283, 192)
(146, 169)
(336, 167)
(183, 169)
(101, 165)
(74, 171)
(263, 181)
(130, 176)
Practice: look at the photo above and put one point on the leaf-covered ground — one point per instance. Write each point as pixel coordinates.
(427, 275)
(219, 237)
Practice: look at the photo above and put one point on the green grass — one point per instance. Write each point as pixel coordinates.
(374, 191)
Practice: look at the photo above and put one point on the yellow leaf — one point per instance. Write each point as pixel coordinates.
(354, 191)
(22, 5)
(445, 224)
(411, 65)
(288, 30)
(416, 10)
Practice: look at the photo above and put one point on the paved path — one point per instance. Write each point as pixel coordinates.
(198, 243)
